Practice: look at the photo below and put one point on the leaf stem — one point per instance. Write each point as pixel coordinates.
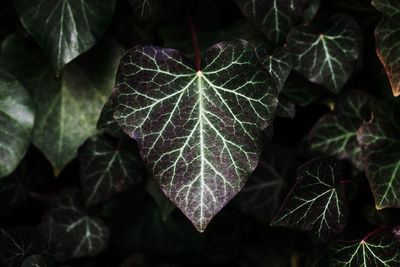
(195, 42)
(350, 181)
(119, 144)
(373, 232)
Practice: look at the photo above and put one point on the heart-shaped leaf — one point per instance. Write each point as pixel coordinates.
(335, 133)
(70, 232)
(274, 18)
(67, 108)
(387, 45)
(65, 29)
(316, 203)
(328, 57)
(16, 120)
(197, 130)
(380, 144)
(107, 166)
(17, 243)
(377, 250)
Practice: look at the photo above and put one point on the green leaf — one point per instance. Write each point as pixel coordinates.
(311, 10)
(164, 205)
(16, 120)
(65, 29)
(68, 108)
(36, 260)
(334, 134)
(327, 57)
(387, 44)
(144, 9)
(69, 231)
(272, 17)
(278, 63)
(108, 166)
(378, 250)
(299, 90)
(107, 123)
(316, 203)
(286, 108)
(18, 243)
(380, 144)
(198, 131)
(264, 191)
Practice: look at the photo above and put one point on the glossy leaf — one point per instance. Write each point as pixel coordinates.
(378, 250)
(70, 232)
(380, 144)
(264, 191)
(334, 134)
(316, 203)
(16, 120)
(107, 123)
(278, 63)
(17, 243)
(274, 18)
(143, 9)
(67, 109)
(107, 166)
(65, 29)
(387, 45)
(328, 57)
(198, 131)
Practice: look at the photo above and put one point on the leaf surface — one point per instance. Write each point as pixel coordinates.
(378, 250)
(198, 131)
(316, 203)
(16, 119)
(335, 133)
(328, 57)
(143, 9)
(65, 29)
(107, 166)
(387, 44)
(274, 18)
(67, 108)
(380, 144)
(107, 123)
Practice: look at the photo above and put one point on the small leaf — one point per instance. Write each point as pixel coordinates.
(387, 45)
(263, 193)
(65, 29)
(380, 145)
(272, 17)
(328, 57)
(316, 203)
(107, 123)
(199, 132)
(143, 9)
(69, 231)
(16, 120)
(335, 133)
(278, 63)
(18, 243)
(67, 108)
(107, 166)
(378, 250)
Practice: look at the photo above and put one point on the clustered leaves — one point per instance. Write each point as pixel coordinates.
(121, 117)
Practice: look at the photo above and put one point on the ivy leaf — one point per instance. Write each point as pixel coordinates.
(107, 166)
(198, 131)
(65, 29)
(67, 108)
(143, 9)
(18, 243)
(299, 90)
(70, 232)
(263, 193)
(164, 205)
(16, 120)
(328, 57)
(380, 144)
(278, 63)
(335, 133)
(286, 108)
(377, 250)
(107, 123)
(316, 203)
(387, 46)
(272, 17)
